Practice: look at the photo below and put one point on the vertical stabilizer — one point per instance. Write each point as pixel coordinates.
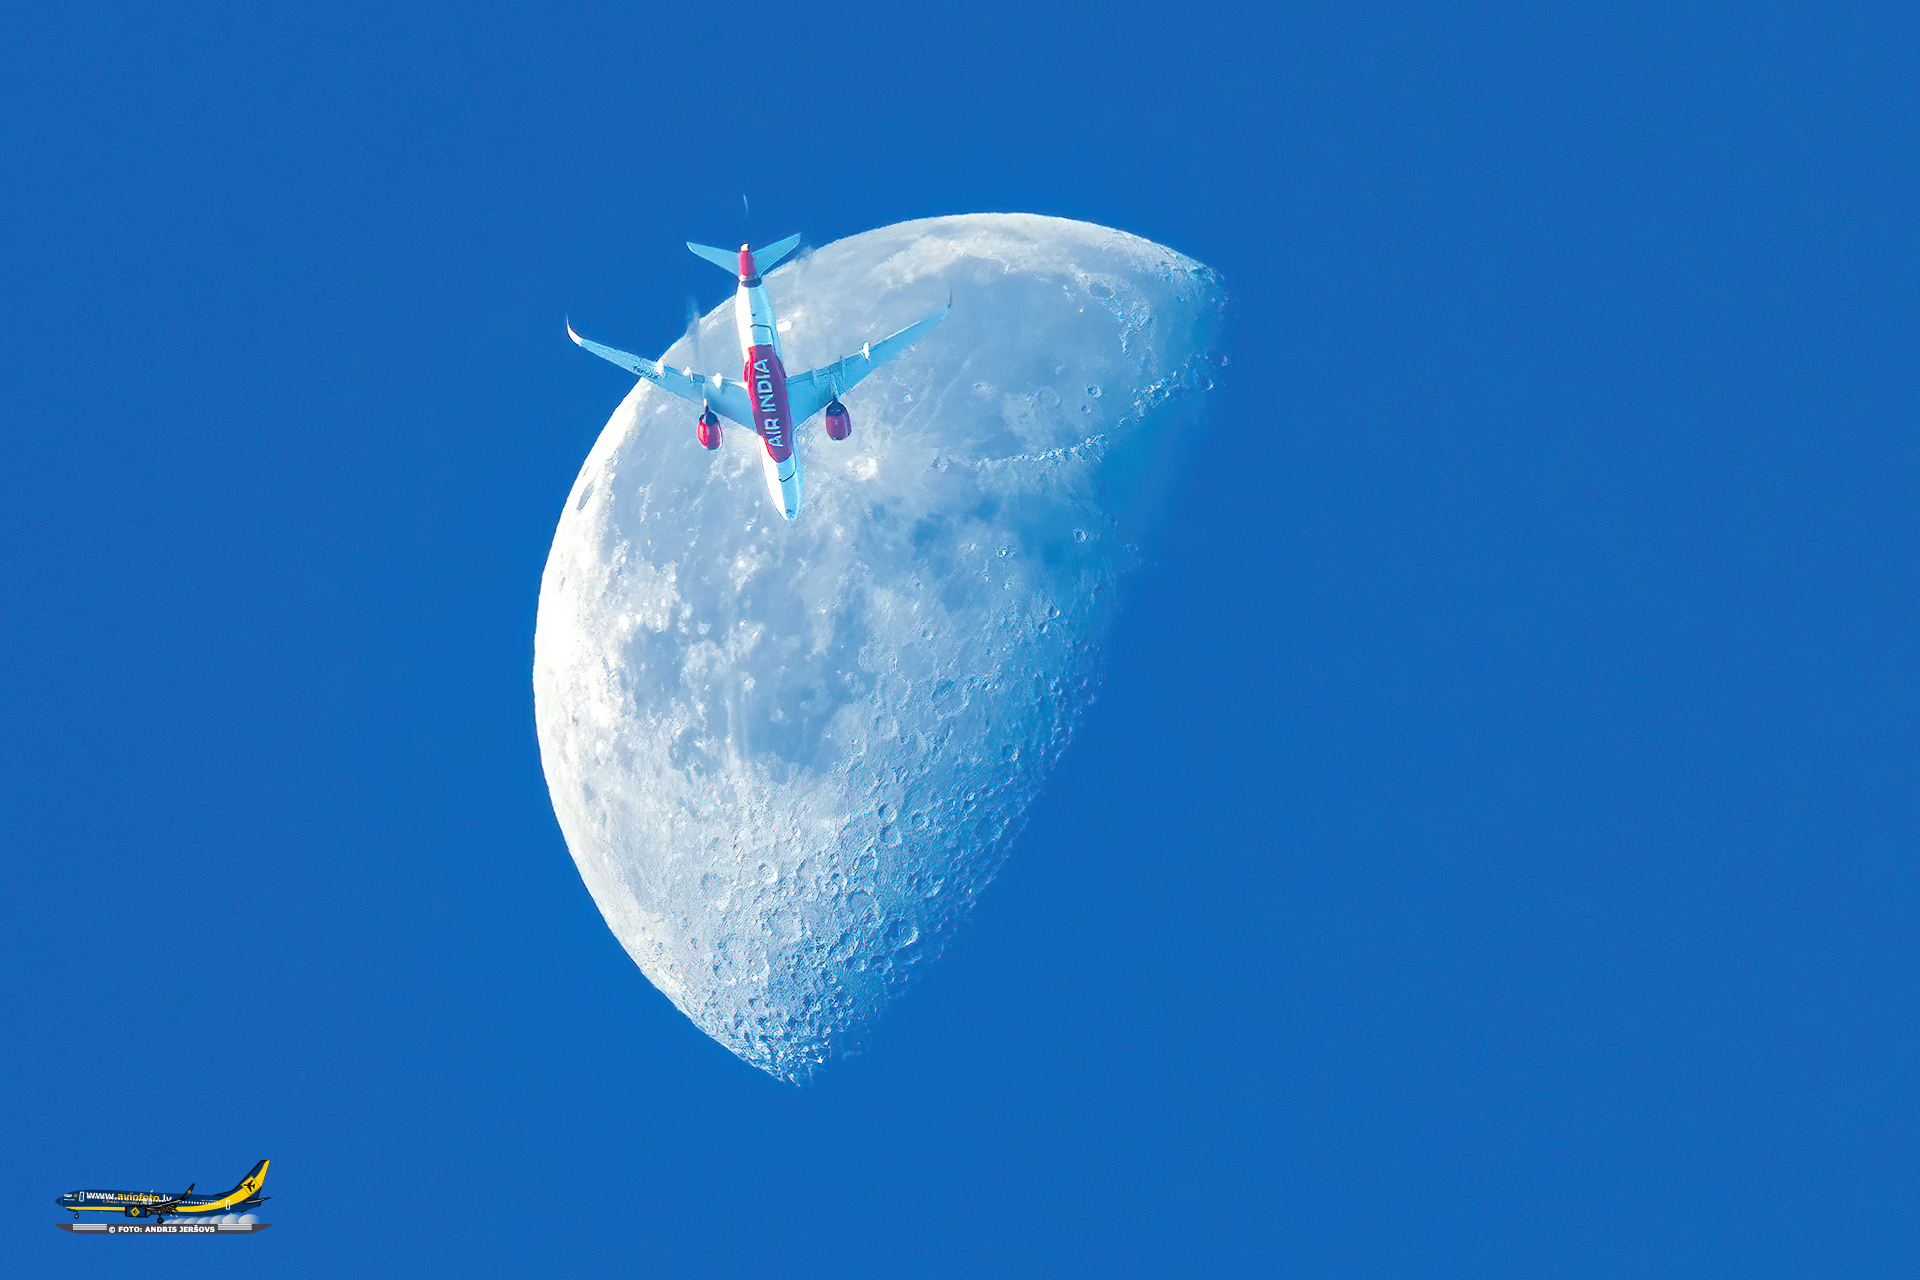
(250, 1183)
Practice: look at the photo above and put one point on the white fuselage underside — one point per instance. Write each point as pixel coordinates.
(753, 317)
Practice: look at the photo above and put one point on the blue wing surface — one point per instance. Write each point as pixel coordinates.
(729, 399)
(810, 392)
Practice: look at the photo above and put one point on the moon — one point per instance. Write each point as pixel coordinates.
(787, 758)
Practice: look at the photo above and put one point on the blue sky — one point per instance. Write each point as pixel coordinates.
(1492, 853)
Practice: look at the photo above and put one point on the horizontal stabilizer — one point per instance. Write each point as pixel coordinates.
(763, 259)
(770, 257)
(725, 259)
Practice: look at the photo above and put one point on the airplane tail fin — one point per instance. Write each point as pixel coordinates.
(250, 1183)
(763, 259)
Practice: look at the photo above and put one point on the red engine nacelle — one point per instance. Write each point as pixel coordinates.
(839, 421)
(708, 429)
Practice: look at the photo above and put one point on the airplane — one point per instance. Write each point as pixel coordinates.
(138, 1204)
(767, 399)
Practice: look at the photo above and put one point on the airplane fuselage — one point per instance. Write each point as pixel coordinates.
(766, 379)
(138, 1204)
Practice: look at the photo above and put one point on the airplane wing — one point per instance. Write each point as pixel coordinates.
(728, 399)
(810, 392)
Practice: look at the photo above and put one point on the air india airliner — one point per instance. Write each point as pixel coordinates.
(767, 399)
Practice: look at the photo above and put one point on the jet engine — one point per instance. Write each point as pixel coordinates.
(839, 421)
(707, 427)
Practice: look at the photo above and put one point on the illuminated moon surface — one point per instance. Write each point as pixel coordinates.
(787, 758)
